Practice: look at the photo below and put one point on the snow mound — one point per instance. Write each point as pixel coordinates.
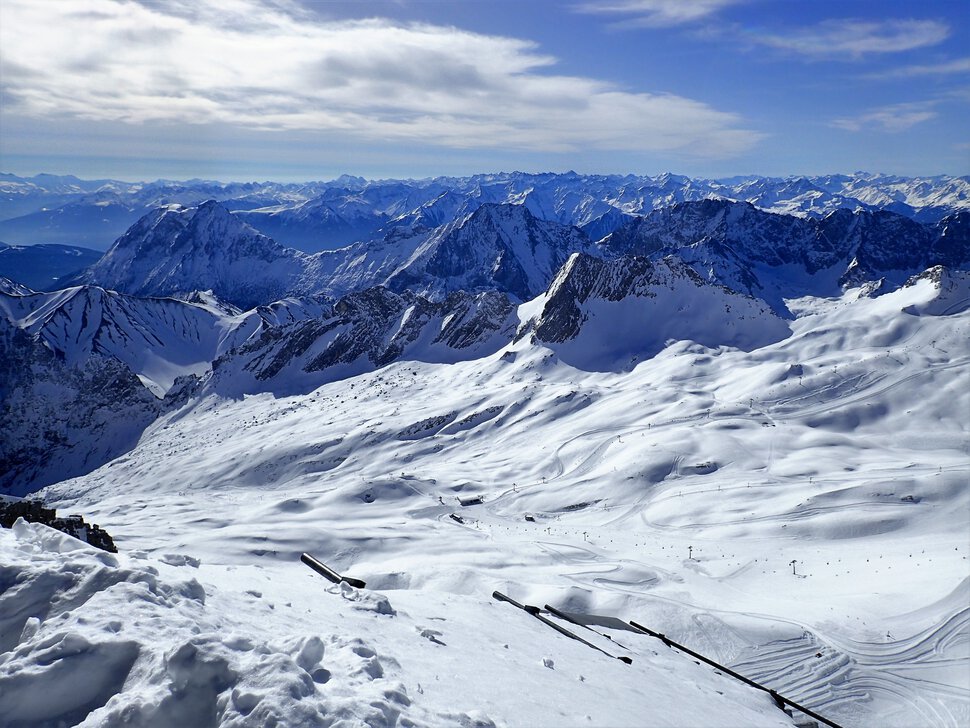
(91, 639)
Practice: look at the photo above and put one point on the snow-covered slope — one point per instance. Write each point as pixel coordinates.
(85, 370)
(797, 511)
(159, 340)
(164, 640)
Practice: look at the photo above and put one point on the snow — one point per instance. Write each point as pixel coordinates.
(777, 480)
(675, 492)
(111, 640)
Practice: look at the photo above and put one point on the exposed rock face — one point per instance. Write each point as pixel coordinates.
(609, 313)
(585, 277)
(740, 246)
(62, 420)
(370, 329)
(471, 320)
(952, 246)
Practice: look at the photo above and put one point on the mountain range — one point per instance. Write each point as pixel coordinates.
(741, 425)
(505, 247)
(316, 216)
(193, 301)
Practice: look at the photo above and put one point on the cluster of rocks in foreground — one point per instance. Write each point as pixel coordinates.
(33, 511)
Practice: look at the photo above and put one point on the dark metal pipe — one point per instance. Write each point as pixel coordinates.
(328, 573)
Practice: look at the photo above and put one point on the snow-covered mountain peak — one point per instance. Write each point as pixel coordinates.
(179, 250)
(213, 230)
(498, 246)
(603, 314)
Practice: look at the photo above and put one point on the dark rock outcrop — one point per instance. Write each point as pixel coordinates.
(33, 511)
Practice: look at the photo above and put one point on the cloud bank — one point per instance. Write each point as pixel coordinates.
(268, 65)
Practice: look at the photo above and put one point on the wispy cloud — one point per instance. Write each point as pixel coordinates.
(265, 64)
(958, 94)
(948, 68)
(655, 13)
(857, 38)
(831, 38)
(894, 118)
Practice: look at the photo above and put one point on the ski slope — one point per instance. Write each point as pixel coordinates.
(798, 512)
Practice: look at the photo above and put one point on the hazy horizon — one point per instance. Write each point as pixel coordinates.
(537, 172)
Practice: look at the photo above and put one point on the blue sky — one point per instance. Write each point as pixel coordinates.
(310, 89)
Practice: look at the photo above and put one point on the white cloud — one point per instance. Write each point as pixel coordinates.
(268, 65)
(894, 118)
(957, 66)
(856, 38)
(656, 13)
